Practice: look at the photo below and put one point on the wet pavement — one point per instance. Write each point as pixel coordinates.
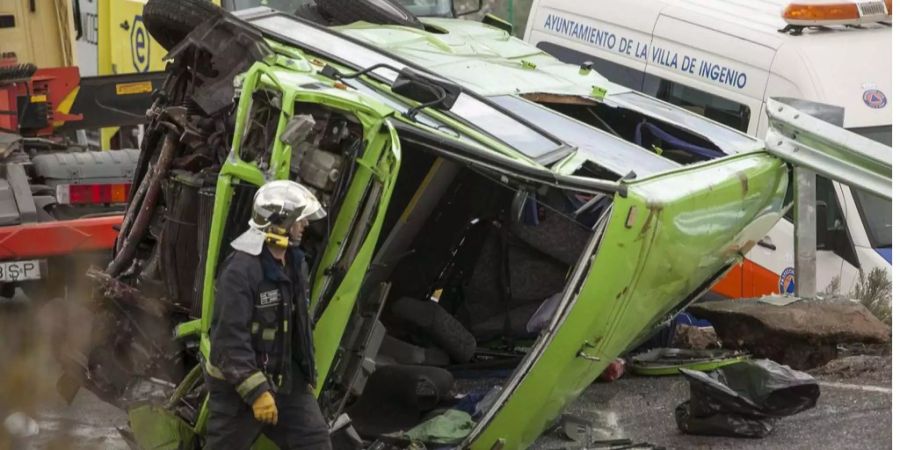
(86, 424)
(853, 412)
(848, 416)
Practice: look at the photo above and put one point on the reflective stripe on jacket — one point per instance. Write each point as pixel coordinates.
(260, 323)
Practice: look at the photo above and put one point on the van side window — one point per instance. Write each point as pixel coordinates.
(722, 110)
(617, 73)
(831, 229)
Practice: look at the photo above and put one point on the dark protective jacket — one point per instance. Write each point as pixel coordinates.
(261, 335)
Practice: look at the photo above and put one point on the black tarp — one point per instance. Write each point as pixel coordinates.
(744, 399)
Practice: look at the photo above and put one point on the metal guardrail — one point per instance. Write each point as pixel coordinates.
(837, 154)
(814, 146)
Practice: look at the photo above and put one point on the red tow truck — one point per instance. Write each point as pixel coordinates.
(61, 199)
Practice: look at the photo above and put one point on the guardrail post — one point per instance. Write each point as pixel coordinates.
(804, 232)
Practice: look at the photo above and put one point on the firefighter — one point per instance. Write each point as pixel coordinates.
(261, 370)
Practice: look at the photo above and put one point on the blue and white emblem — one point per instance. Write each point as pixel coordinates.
(875, 99)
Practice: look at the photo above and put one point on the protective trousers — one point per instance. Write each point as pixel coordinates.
(231, 424)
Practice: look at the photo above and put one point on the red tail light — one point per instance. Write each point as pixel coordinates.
(92, 194)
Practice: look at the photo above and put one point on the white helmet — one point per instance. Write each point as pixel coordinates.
(282, 203)
(277, 206)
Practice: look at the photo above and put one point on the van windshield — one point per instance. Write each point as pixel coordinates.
(876, 216)
(880, 134)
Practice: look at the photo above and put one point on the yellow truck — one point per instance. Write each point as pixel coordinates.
(114, 38)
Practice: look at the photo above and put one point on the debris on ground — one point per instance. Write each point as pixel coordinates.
(855, 366)
(601, 429)
(875, 368)
(802, 334)
(744, 399)
(668, 361)
(156, 427)
(694, 337)
(477, 401)
(594, 435)
(449, 428)
(613, 371)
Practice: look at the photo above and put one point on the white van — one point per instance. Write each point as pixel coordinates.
(722, 59)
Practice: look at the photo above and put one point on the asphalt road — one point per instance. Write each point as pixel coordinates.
(642, 409)
(86, 424)
(848, 416)
(853, 412)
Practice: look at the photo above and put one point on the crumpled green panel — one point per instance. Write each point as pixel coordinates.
(450, 427)
(156, 428)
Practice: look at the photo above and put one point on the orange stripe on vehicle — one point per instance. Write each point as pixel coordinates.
(759, 281)
(731, 285)
(747, 280)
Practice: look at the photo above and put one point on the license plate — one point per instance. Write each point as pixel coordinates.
(20, 270)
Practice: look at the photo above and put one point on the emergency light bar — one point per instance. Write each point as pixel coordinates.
(92, 194)
(810, 12)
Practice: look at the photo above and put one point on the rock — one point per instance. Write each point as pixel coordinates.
(802, 334)
(695, 338)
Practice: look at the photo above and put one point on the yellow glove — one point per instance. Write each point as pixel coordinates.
(264, 408)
